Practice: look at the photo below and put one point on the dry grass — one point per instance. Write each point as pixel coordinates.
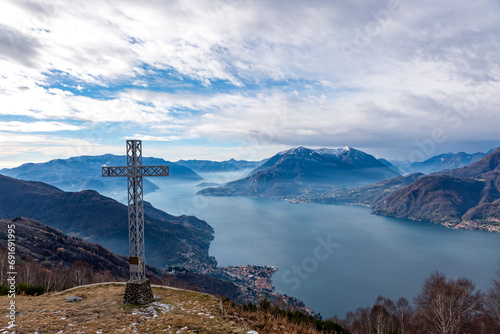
(102, 311)
(265, 323)
(173, 311)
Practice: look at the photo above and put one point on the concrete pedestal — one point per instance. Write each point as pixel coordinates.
(138, 293)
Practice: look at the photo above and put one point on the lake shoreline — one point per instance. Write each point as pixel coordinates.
(377, 255)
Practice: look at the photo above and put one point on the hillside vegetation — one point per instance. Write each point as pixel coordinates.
(467, 197)
(174, 311)
(171, 240)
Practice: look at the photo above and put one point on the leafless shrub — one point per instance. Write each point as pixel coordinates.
(448, 306)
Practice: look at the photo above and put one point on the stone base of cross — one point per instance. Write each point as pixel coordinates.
(138, 293)
(138, 290)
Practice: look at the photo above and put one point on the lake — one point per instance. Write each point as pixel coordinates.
(335, 258)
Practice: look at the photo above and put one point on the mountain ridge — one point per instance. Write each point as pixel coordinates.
(50, 247)
(302, 170)
(368, 195)
(445, 161)
(171, 240)
(466, 197)
(209, 166)
(84, 172)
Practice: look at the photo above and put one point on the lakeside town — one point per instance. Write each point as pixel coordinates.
(254, 284)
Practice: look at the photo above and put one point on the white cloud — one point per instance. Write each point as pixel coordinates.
(15, 126)
(254, 40)
(38, 148)
(287, 77)
(153, 138)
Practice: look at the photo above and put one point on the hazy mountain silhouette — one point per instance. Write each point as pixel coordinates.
(208, 166)
(446, 161)
(84, 172)
(367, 195)
(301, 170)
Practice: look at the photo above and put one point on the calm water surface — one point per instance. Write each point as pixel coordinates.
(334, 258)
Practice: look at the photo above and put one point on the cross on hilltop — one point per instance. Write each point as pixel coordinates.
(138, 290)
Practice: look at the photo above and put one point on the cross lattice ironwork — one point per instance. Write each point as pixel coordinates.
(134, 172)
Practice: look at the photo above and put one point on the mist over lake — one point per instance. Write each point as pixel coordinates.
(334, 258)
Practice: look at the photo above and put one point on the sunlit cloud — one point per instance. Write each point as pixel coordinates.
(153, 138)
(44, 147)
(370, 74)
(37, 127)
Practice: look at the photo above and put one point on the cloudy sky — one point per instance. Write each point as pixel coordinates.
(215, 79)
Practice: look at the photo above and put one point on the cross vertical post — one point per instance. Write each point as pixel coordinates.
(138, 286)
(135, 212)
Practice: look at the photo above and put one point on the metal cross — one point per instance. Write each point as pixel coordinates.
(134, 172)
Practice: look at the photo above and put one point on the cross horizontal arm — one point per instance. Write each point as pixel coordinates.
(128, 171)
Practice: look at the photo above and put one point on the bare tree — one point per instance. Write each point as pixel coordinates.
(404, 315)
(492, 303)
(47, 279)
(359, 321)
(28, 271)
(82, 274)
(105, 276)
(168, 280)
(448, 307)
(379, 319)
(382, 316)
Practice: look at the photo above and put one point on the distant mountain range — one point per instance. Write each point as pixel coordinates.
(207, 166)
(84, 172)
(87, 214)
(300, 171)
(446, 161)
(467, 197)
(367, 195)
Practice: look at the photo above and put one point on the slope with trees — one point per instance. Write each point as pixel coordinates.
(467, 197)
(171, 240)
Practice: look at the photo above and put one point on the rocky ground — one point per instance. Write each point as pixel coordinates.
(101, 311)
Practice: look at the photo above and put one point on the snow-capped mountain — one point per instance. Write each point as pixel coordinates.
(300, 169)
